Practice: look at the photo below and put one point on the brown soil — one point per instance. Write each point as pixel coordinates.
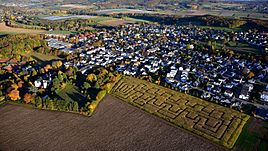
(6, 29)
(115, 22)
(115, 125)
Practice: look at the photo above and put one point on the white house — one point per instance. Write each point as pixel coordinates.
(264, 96)
(37, 83)
(228, 93)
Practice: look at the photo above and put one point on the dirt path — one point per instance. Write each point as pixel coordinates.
(115, 125)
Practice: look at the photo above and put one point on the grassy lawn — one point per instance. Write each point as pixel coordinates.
(42, 57)
(101, 18)
(71, 93)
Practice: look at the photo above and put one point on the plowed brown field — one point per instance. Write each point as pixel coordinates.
(115, 125)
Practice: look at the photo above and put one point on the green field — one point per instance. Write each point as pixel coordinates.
(71, 93)
(62, 32)
(254, 136)
(214, 122)
(3, 34)
(237, 47)
(100, 18)
(42, 57)
(243, 48)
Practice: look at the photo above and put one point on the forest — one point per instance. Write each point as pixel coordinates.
(206, 20)
(55, 86)
(17, 46)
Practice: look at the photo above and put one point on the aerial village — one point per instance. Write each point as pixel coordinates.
(191, 60)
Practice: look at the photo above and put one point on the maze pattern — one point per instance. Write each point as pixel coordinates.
(217, 123)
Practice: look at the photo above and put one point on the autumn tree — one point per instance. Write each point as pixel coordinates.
(56, 64)
(91, 77)
(107, 87)
(20, 84)
(28, 98)
(101, 95)
(47, 67)
(104, 72)
(245, 71)
(14, 95)
(34, 72)
(15, 86)
(251, 75)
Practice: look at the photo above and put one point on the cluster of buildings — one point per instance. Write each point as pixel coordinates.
(170, 52)
(60, 45)
(144, 50)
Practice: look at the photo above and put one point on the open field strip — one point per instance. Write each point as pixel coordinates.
(216, 123)
(10, 30)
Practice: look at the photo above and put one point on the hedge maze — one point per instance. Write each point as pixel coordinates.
(219, 124)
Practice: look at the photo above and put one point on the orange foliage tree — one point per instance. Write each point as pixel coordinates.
(91, 77)
(28, 98)
(14, 95)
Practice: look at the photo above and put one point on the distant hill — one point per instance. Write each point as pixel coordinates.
(121, 2)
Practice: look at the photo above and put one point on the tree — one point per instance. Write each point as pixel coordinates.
(107, 87)
(97, 85)
(14, 86)
(86, 85)
(92, 106)
(251, 75)
(28, 98)
(101, 95)
(33, 89)
(91, 77)
(34, 73)
(56, 64)
(20, 84)
(69, 72)
(55, 84)
(51, 104)
(104, 72)
(14, 95)
(245, 71)
(231, 53)
(60, 77)
(38, 102)
(75, 107)
(47, 67)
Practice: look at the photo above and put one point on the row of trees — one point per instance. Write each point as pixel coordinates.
(222, 21)
(56, 104)
(69, 24)
(97, 84)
